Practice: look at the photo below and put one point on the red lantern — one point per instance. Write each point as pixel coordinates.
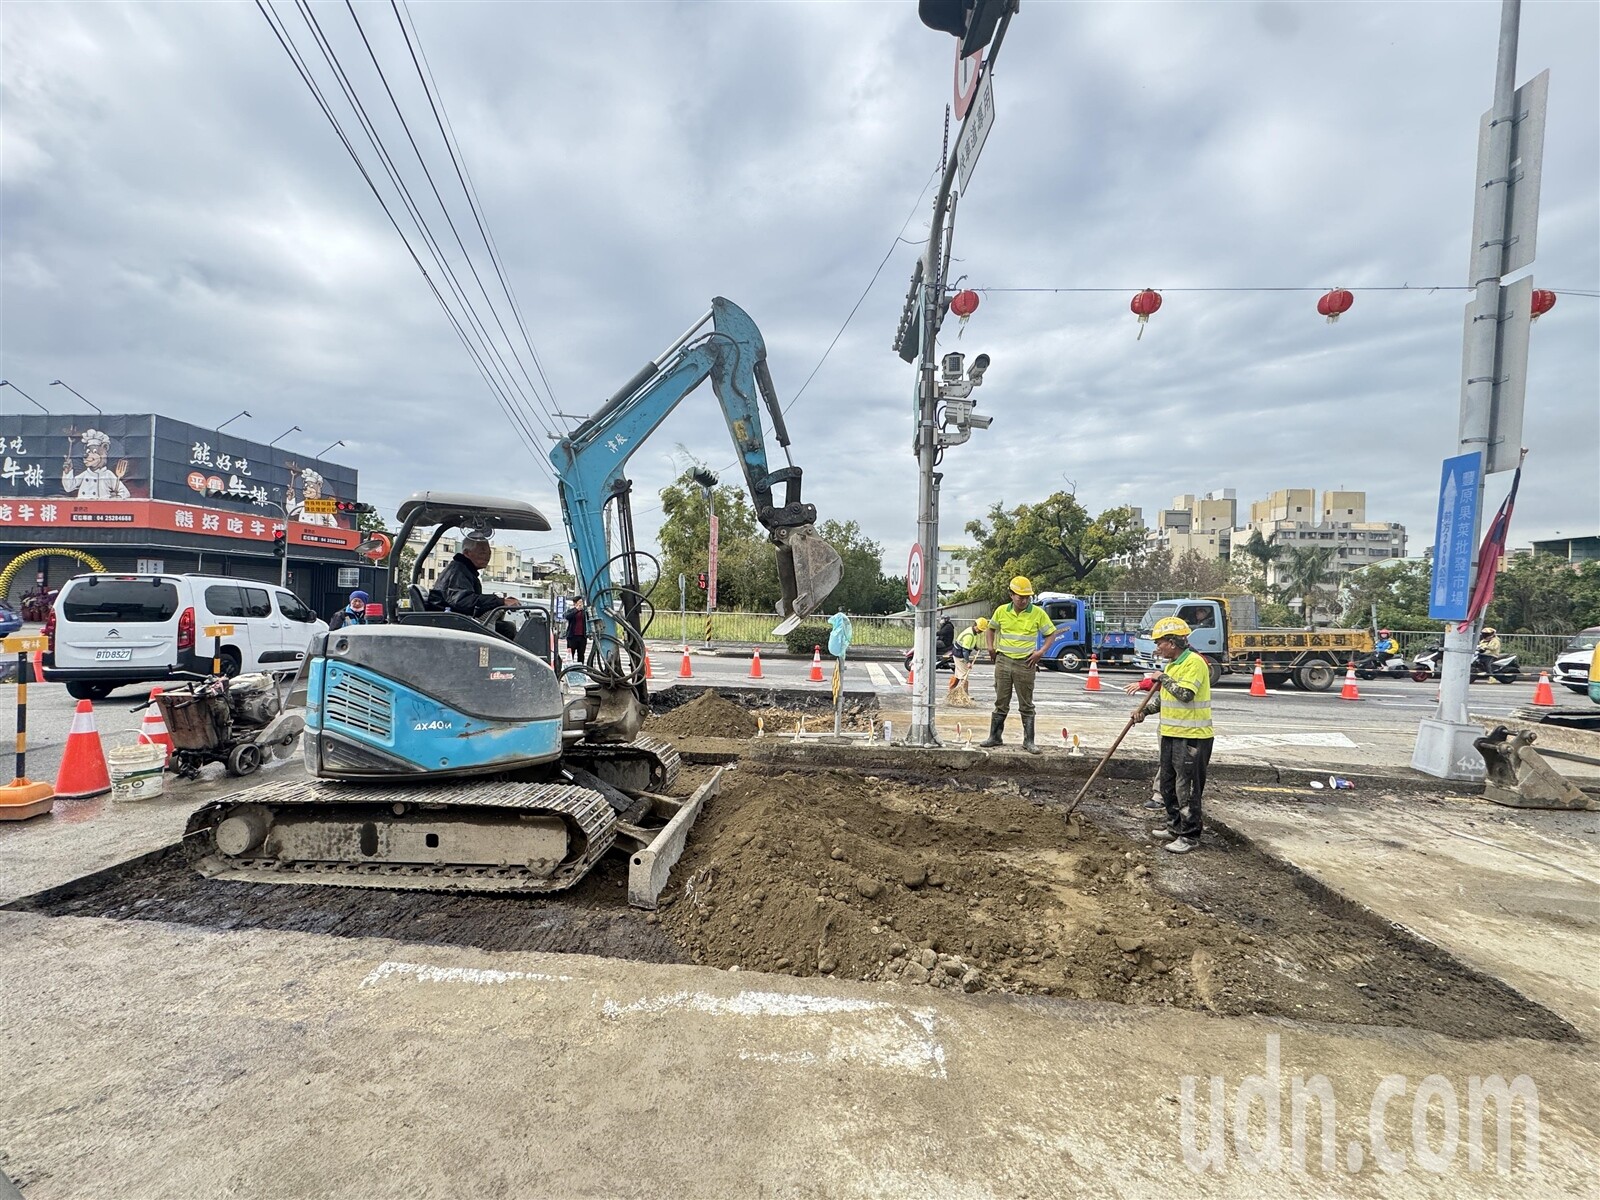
(964, 304)
(1543, 302)
(1142, 305)
(1335, 303)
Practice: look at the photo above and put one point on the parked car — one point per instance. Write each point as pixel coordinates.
(111, 630)
(10, 619)
(1572, 664)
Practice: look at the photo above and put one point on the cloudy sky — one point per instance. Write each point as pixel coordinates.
(183, 232)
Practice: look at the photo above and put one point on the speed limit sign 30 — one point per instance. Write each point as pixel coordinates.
(914, 575)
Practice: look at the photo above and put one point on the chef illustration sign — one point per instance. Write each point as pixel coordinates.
(60, 458)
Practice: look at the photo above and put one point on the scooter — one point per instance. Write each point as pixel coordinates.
(1368, 667)
(1503, 668)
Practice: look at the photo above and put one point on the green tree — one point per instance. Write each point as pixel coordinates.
(1055, 543)
(863, 587)
(1543, 593)
(747, 563)
(1398, 590)
(1307, 569)
(1262, 554)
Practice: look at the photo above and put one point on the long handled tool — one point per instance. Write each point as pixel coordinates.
(1133, 719)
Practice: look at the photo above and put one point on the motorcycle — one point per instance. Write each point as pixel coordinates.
(1503, 668)
(946, 661)
(1369, 667)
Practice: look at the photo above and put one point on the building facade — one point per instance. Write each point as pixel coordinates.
(143, 494)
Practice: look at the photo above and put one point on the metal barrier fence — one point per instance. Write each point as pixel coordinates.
(1537, 651)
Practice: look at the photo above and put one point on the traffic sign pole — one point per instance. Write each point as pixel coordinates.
(1504, 217)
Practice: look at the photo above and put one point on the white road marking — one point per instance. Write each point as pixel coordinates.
(473, 975)
(881, 1034)
(875, 673)
(896, 674)
(1242, 741)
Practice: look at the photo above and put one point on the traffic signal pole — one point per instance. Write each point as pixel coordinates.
(929, 299)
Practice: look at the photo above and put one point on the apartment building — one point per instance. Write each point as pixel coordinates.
(1203, 524)
(954, 571)
(1291, 519)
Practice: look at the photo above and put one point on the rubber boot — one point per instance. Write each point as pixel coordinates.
(1027, 736)
(997, 725)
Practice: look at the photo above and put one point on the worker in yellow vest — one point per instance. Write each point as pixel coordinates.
(1182, 691)
(1015, 639)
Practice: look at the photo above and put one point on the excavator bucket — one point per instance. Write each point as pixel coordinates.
(808, 570)
(1518, 777)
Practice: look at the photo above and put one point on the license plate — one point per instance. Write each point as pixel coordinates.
(113, 656)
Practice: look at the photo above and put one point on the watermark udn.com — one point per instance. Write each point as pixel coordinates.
(1431, 1111)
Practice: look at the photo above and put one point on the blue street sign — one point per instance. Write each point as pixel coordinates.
(1452, 537)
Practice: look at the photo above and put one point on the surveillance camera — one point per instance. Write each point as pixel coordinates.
(978, 421)
(950, 366)
(979, 366)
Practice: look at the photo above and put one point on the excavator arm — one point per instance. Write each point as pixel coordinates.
(590, 464)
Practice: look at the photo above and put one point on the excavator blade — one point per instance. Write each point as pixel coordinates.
(808, 570)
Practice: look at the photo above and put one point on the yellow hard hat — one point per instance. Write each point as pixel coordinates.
(1021, 585)
(981, 624)
(1170, 627)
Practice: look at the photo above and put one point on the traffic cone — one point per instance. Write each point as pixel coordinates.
(649, 671)
(1092, 684)
(755, 664)
(684, 670)
(816, 664)
(1258, 681)
(1542, 695)
(83, 767)
(1350, 691)
(153, 730)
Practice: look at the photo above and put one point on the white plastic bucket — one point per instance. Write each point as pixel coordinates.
(136, 771)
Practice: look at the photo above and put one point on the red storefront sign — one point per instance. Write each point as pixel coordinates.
(91, 515)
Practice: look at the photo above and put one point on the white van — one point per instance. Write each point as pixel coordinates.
(111, 630)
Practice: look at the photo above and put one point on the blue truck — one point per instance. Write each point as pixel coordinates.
(1078, 634)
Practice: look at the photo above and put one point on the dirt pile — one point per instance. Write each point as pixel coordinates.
(708, 715)
(834, 873)
(980, 885)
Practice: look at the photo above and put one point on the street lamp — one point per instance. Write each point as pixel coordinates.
(78, 394)
(31, 400)
(707, 480)
(284, 434)
(319, 457)
(241, 413)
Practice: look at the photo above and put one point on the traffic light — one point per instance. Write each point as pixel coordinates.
(280, 544)
(973, 21)
(352, 507)
(702, 580)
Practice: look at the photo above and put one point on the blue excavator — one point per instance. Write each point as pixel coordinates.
(447, 755)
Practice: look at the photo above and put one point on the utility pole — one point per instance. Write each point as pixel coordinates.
(944, 381)
(1494, 367)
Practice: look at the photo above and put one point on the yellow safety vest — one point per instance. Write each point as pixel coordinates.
(1192, 720)
(1016, 634)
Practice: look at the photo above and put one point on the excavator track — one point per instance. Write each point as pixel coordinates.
(468, 836)
(645, 764)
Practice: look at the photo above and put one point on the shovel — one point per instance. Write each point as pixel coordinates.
(1133, 719)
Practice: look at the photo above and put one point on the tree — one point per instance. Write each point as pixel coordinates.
(1543, 593)
(1398, 590)
(863, 587)
(747, 563)
(1307, 569)
(1262, 553)
(1054, 543)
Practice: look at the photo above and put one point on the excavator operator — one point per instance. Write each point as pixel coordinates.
(460, 590)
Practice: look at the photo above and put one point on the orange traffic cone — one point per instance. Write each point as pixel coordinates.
(1258, 681)
(755, 664)
(911, 679)
(649, 670)
(1542, 695)
(684, 670)
(83, 767)
(816, 664)
(1350, 691)
(153, 730)
(1092, 684)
